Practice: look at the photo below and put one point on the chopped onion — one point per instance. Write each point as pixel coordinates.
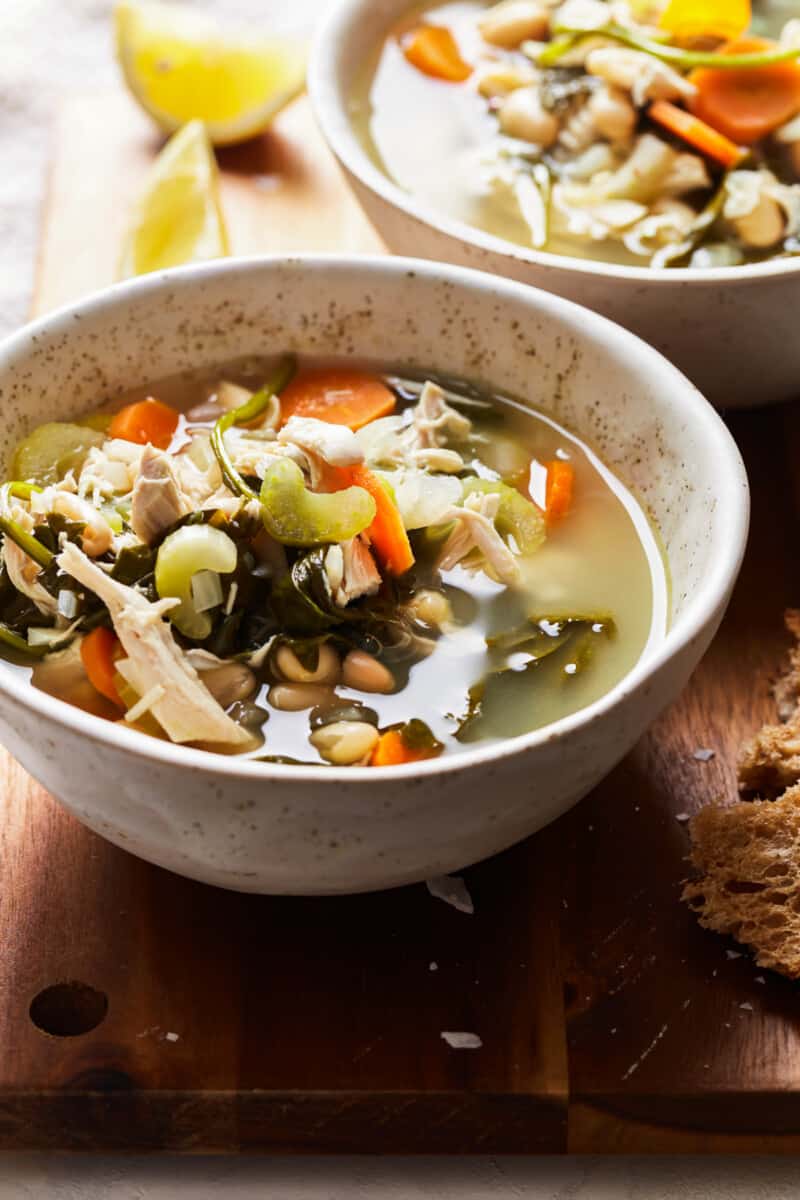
(206, 590)
(46, 635)
(67, 604)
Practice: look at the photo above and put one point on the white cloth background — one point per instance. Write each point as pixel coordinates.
(48, 47)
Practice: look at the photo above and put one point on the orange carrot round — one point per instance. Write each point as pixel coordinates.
(432, 49)
(387, 531)
(747, 103)
(99, 651)
(696, 132)
(558, 494)
(145, 421)
(338, 395)
(392, 750)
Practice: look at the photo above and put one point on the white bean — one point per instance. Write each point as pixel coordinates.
(764, 226)
(364, 673)
(432, 608)
(613, 114)
(498, 79)
(345, 742)
(524, 116)
(294, 697)
(231, 682)
(290, 667)
(514, 21)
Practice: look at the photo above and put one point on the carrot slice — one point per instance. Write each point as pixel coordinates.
(340, 396)
(432, 49)
(747, 103)
(706, 18)
(558, 494)
(696, 132)
(387, 531)
(392, 750)
(145, 421)
(99, 651)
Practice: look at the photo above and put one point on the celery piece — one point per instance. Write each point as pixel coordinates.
(184, 553)
(297, 517)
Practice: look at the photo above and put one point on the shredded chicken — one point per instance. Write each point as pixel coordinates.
(158, 501)
(336, 445)
(23, 573)
(351, 571)
(475, 529)
(187, 711)
(645, 77)
(434, 420)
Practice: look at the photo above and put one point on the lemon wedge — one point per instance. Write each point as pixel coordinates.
(178, 218)
(181, 67)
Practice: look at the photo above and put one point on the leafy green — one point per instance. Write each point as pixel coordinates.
(534, 643)
(134, 564)
(301, 599)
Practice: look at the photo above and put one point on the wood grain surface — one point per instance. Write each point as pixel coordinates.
(610, 1021)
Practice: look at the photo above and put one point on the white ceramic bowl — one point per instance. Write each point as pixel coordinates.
(269, 828)
(733, 332)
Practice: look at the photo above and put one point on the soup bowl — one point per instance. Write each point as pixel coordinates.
(731, 330)
(266, 827)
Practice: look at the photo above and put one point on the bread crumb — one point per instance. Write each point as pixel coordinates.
(770, 761)
(748, 861)
(461, 1041)
(453, 890)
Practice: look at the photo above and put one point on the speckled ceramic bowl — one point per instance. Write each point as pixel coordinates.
(268, 828)
(732, 331)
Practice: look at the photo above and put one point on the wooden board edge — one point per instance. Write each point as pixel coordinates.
(599, 1127)
(282, 1122)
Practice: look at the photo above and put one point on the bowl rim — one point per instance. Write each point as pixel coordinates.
(331, 112)
(732, 489)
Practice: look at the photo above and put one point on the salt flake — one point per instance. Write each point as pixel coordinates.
(747, 1006)
(433, 966)
(171, 1037)
(732, 954)
(453, 890)
(703, 755)
(683, 817)
(461, 1041)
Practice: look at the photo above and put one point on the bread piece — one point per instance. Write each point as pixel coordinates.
(748, 859)
(770, 761)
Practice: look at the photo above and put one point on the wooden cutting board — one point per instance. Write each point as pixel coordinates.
(610, 1021)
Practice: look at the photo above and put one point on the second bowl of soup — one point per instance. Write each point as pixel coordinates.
(642, 160)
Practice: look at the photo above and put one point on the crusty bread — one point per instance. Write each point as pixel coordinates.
(748, 859)
(770, 761)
